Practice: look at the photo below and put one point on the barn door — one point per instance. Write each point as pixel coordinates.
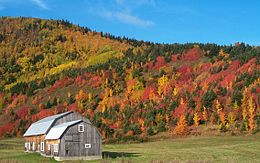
(72, 149)
(52, 150)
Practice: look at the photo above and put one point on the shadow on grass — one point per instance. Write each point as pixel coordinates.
(107, 154)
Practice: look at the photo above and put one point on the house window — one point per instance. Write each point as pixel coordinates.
(42, 146)
(56, 148)
(29, 146)
(49, 147)
(81, 128)
(88, 146)
(33, 146)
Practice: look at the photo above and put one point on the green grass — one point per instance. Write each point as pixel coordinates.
(11, 151)
(191, 149)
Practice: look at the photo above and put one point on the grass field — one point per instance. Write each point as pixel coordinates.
(191, 149)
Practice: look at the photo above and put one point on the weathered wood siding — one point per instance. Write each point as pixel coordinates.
(50, 147)
(37, 141)
(72, 142)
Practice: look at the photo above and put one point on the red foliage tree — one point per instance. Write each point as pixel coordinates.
(174, 57)
(192, 54)
(180, 110)
(42, 114)
(249, 66)
(60, 83)
(6, 129)
(227, 80)
(80, 81)
(73, 106)
(148, 93)
(95, 81)
(186, 73)
(160, 62)
(22, 113)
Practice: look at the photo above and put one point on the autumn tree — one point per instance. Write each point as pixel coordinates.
(251, 110)
(41, 106)
(205, 114)
(182, 127)
(196, 119)
(163, 84)
(231, 119)
(244, 103)
(81, 99)
(175, 92)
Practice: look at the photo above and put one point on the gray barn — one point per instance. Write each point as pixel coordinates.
(66, 136)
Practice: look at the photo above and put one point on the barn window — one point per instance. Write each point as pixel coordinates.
(29, 146)
(42, 146)
(56, 148)
(81, 128)
(88, 146)
(49, 147)
(33, 146)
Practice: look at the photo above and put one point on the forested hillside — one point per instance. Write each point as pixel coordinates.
(129, 89)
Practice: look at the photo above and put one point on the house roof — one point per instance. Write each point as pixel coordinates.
(57, 131)
(42, 126)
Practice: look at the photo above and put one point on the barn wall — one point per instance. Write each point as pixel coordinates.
(50, 151)
(37, 141)
(73, 142)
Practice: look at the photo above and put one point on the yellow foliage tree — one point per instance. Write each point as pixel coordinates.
(90, 96)
(223, 54)
(231, 119)
(251, 110)
(175, 92)
(244, 107)
(110, 92)
(162, 85)
(196, 119)
(81, 99)
(235, 105)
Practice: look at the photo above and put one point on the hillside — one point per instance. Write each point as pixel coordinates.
(129, 89)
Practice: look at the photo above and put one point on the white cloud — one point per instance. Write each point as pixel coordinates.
(5, 4)
(131, 19)
(122, 11)
(133, 3)
(119, 1)
(40, 4)
(128, 18)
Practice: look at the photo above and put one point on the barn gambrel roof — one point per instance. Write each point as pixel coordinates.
(42, 126)
(57, 131)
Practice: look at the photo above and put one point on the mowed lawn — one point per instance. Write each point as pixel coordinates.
(191, 149)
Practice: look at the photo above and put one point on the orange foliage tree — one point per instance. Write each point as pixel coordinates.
(182, 127)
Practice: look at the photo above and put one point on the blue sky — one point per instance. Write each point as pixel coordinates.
(163, 21)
